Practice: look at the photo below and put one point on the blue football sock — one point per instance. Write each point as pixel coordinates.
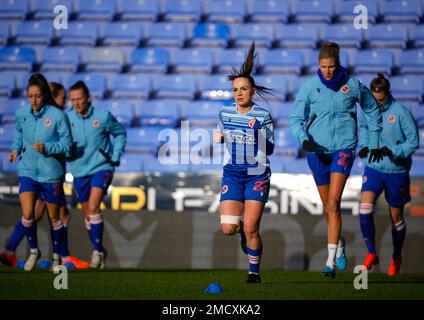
(31, 232)
(96, 223)
(254, 256)
(366, 221)
(398, 236)
(65, 249)
(17, 235)
(57, 229)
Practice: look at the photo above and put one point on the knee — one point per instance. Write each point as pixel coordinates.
(228, 229)
(229, 224)
(332, 206)
(251, 231)
(93, 208)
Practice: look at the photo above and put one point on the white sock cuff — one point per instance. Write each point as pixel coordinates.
(229, 219)
(400, 225)
(27, 223)
(332, 246)
(95, 218)
(366, 208)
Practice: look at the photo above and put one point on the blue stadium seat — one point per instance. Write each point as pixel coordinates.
(130, 162)
(344, 34)
(366, 78)
(122, 34)
(417, 111)
(6, 136)
(282, 61)
(148, 60)
(7, 167)
(358, 167)
(9, 109)
(402, 11)
(295, 165)
(228, 11)
(210, 35)
(7, 84)
(78, 33)
(14, 9)
(407, 87)
(95, 9)
(160, 113)
(229, 58)
(96, 83)
(277, 82)
(123, 110)
(373, 61)
(274, 11)
(297, 36)
(387, 36)
(412, 62)
(197, 60)
(417, 169)
(164, 165)
(131, 86)
(65, 59)
(182, 10)
(44, 9)
(261, 33)
(105, 59)
(202, 113)
(142, 10)
(16, 58)
(285, 142)
(313, 11)
(418, 36)
(175, 86)
(166, 34)
(281, 112)
(346, 12)
(276, 163)
(143, 140)
(297, 82)
(215, 87)
(4, 32)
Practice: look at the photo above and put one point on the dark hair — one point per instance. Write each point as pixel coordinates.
(380, 84)
(80, 85)
(329, 50)
(55, 87)
(246, 70)
(37, 79)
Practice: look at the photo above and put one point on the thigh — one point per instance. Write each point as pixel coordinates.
(337, 184)
(252, 214)
(320, 167)
(372, 181)
(27, 200)
(231, 208)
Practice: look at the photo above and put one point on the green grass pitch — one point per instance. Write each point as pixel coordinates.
(133, 284)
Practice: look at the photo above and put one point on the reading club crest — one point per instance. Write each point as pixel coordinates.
(96, 123)
(391, 118)
(47, 123)
(345, 88)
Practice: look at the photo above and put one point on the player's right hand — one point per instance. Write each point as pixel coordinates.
(308, 146)
(12, 156)
(218, 137)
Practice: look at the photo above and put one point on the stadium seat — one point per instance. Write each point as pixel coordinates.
(182, 10)
(166, 34)
(4, 32)
(374, 61)
(280, 113)
(6, 136)
(412, 62)
(142, 140)
(417, 111)
(387, 36)
(141, 10)
(313, 11)
(16, 58)
(261, 33)
(347, 13)
(228, 11)
(215, 87)
(78, 33)
(276, 164)
(295, 165)
(285, 142)
(149, 60)
(418, 36)
(407, 87)
(9, 109)
(7, 167)
(210, 35)
(296, 83)
(226, 59)
(64, 59)
(197, 60)
(34, 32)
(417, 168)
(122, 34)
(130, 162)
(297, 35)
(165, 165)
(14, 9)
(131, 86)
(174, 86)
(277, 82)
(402, 11)
(202, 113)
(358, 167)
(123, 110)
(160, 113)
(273, 11)
(7, 85)
(344, 34)
(96, 83)
(105, 59)
(92, 10)
(44, 9)
(282, 61)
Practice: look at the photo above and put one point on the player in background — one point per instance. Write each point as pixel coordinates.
(41, 139)
(8, 255)
(323, 120)
(92, 161)
(248, 134)
(398, 140)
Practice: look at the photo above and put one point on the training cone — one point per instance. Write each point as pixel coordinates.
(214, 288)
(20, 264)
(69, 265)
(44, 264)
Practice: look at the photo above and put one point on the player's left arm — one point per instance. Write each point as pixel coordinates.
(410, 130)
(119, 134)
(267, 132)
